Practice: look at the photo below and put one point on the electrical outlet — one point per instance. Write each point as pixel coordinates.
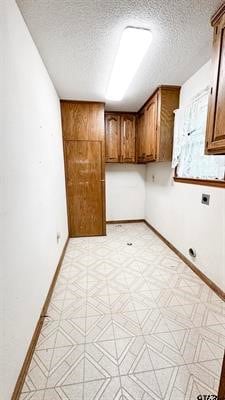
(205, 199)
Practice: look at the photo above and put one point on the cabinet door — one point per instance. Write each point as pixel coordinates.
(215, 140)
(150, 129)
(127, 138)
(82, 120)
(140, 143)
(112, 138)
(85, 187)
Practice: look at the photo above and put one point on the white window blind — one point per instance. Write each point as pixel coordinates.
(189, 142)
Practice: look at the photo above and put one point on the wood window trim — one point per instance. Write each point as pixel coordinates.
(199, 181)
(203, 182)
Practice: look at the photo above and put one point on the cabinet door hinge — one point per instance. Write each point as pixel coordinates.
(211, 90)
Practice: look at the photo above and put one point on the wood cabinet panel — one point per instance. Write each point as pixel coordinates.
(112, 137)
(120, 133)
(155, 123)
(168, 101)
(215, 136)
(140, 138)
(150, 129)
(85, 189)
(127, 138)
(82, 120)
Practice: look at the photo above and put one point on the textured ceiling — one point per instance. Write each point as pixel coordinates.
(78, 40)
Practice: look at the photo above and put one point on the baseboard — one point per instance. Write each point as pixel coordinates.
(197, 271)
(125, 221)
(30, 351)
(221, 393)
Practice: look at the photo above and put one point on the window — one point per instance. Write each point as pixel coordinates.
(189, 143)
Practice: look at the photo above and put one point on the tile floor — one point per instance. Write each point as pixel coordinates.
(127, 322)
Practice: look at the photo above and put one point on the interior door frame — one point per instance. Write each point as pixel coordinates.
(102, 183)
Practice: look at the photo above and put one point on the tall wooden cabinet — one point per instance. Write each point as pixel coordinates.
(84, 153)
(215, 135)
(155, 123)
(120, 137)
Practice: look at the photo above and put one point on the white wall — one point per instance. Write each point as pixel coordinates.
(32, 186)
(125, 191)
(1, 230)
(175, 209)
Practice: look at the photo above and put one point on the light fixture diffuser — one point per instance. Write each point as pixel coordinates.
(133, 46)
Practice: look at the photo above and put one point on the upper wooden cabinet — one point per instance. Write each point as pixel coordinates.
(82, 120)
(120, 137)
(144, 136)
(215, 135)
(127, 138)
(155, 125)
(112, 144)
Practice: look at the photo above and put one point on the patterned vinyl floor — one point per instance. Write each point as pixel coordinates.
(127, 322)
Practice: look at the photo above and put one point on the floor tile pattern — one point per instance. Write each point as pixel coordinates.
(127, 322)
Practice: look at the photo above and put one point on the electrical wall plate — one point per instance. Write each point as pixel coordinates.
(205, 199)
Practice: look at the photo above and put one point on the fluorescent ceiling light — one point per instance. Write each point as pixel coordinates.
(134, 44)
